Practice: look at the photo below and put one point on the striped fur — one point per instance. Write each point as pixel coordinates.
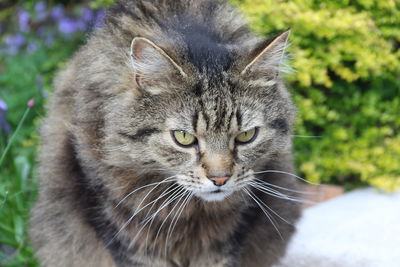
(157, 66)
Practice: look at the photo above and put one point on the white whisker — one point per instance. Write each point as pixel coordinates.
(178, 194)
(277, 194)
(265, 205)
(288, 173)
(177, 188)
(307, 136)
(264, 211)
(284, 188)
(166, 202)
(177, 215)
(138, 209)
(181, 196)
(148, 219)
(153, 202)
(166, 180)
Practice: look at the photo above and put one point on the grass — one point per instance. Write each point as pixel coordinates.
(17, 192)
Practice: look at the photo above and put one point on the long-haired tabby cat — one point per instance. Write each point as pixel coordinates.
(168, 143)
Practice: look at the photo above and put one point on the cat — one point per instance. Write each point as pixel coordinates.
(168, 143)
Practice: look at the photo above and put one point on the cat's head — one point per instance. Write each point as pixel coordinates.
(207, 114)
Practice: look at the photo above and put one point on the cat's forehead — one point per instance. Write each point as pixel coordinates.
(216, 109)
(204, 49)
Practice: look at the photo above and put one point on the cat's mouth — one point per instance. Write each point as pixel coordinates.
(214, 195)
(216, 191)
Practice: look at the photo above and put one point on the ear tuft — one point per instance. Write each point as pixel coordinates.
(153, 67)
(268, 56)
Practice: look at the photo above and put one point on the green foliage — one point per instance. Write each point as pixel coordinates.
(346, 85)
(96, 4)
(24, 75)
(29, 75)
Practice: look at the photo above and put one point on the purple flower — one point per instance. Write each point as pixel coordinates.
(14, 43)
(57, 12)
(87, 15)
(99, 18)
(23, 20)
(4, 126)
(41, 12)
(41, 31)
(67, 26)
(32, 47)
(40, 7)
(81, 25)
(49, 40)
(15, 40)
(9, 50)
(3, 105)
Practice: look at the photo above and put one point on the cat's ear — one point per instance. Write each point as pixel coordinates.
(267, 56)
(154, 68)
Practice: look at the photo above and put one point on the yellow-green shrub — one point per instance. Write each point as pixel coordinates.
(346, 85)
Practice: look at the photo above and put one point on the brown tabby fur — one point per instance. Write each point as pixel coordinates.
(196, 66)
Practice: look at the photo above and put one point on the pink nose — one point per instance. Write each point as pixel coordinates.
(219, 181)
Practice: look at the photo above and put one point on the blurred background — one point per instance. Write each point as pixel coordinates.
(346, 86)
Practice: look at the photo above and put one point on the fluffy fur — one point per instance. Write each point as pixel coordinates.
(117, 190)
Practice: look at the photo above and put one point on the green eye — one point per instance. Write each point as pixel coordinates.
(247, 136)
(184, 138)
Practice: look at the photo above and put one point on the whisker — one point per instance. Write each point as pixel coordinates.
(264, 211)
(164, 204)
(169, 200)
(278, 194)
(166, 180)
(148, 193)
(139, 209)
(153, 202)
(178, 188)
(270, 209)
(269, 190)
(134, 214)
(179, 212)
(181, 196)
(147, 220)
(307, 136)
(288, 173)
(284, 188)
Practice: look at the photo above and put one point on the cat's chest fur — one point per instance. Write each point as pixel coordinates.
(202, 235)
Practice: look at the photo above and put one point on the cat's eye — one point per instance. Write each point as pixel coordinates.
(184, 138)
(247, 136)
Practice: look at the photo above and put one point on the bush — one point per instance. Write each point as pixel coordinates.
(346, 85)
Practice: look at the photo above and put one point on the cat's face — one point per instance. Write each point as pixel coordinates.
(214, 152)
(210, 135)
(211, 146)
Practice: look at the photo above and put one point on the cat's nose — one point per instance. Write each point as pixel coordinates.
(219, 180)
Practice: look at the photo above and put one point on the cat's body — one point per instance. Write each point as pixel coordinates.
(114, 143)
